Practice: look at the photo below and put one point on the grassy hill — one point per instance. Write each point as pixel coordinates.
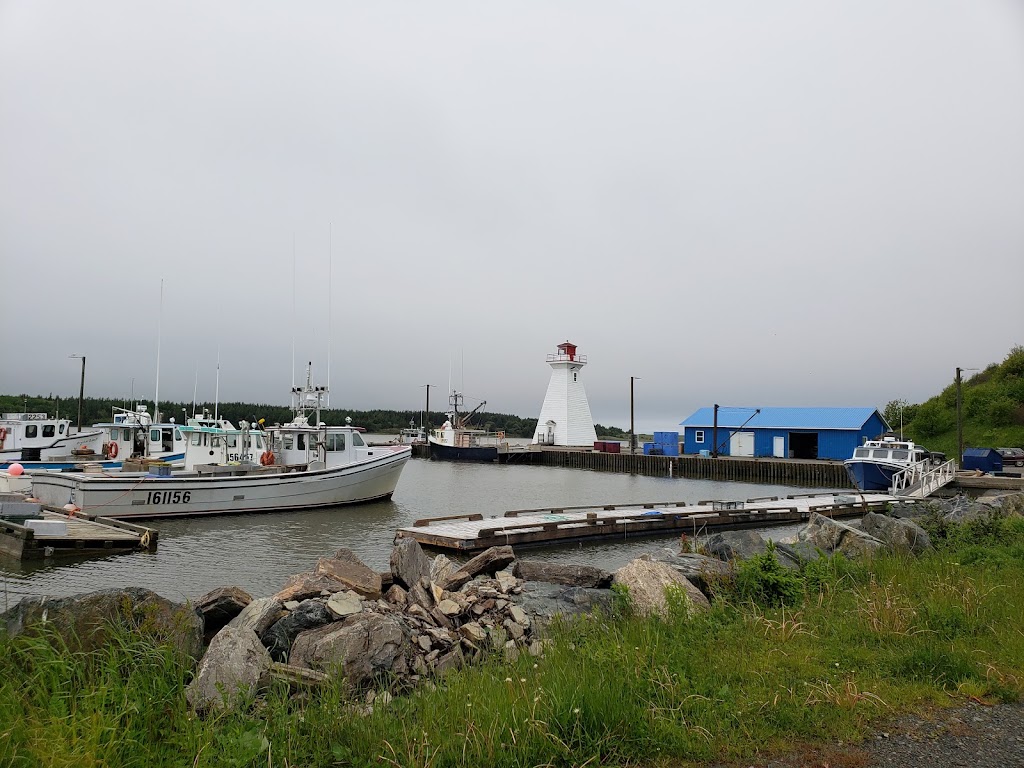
(992, 410)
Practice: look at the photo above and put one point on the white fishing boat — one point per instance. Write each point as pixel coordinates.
(457, 441)
(133, 434)
(298, 465)
(39, 441)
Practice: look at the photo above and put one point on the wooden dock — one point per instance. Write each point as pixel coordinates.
(556, 525)
(85, 535)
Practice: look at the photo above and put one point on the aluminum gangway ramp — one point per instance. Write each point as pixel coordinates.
(922, 480)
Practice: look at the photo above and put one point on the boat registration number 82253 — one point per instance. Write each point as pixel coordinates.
(169, 497)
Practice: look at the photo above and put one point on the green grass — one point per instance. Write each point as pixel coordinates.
(767, 667)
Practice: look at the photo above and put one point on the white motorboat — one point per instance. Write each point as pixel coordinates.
(39, 441)
(298, 465)
(873, 465)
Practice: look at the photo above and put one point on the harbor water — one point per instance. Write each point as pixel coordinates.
(259, 552)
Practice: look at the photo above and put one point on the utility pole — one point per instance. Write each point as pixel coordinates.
(632, 431)
(426, 413)
(714, 435)
(959, 422)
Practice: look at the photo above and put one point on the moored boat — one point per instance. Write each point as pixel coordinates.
(39, 441)
(456, 441)
(873, 464)
(298, 465)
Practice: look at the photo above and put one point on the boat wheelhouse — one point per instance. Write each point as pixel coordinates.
(456, 441)
(37, 441)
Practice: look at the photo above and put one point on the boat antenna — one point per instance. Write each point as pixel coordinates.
(159, 324)
(293, 309)
(330, 324)
(195, 389)
(216, 389)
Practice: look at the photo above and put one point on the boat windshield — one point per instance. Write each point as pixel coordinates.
(880, 453)
(357, 439)
(861, 453)
(900, 455)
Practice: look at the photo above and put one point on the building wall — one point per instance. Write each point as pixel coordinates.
(837, 444)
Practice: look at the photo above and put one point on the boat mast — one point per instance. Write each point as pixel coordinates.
(330, 323)
(159, 324)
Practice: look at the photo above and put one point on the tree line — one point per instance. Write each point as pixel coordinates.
(96, 410)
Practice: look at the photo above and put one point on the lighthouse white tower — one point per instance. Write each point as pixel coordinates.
(565, 416)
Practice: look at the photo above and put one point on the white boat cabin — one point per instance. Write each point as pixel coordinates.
(39, 431)
(221, 443)
(891, 451)
(133, 433)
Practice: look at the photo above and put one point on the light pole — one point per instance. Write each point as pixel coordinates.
(632, 428)
(959, 418)
(81, 391)
(426, 412)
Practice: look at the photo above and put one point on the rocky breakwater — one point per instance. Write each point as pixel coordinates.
(384, 633)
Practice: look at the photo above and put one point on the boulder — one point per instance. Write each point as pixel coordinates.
(489, 561)
(362, 647)
(543, 601)
(347, 569)
(898, 534)
(648, 582)
(233, 667)
(343, 604)
(258, 615)
(220, 606)
(832, 536)
(84, 622)
(280, 637)
(408, 563)
(701, 570)
(396, 595)
(730, 545)
(570, 575)
(441, 568)
(303, 586)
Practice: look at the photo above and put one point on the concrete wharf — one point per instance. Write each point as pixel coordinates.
(83, 534)
(554, 525)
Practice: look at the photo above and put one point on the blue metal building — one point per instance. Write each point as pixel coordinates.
(796, 433)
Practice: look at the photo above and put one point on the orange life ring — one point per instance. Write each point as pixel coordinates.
(112, 449)
(3, 435)
(267, 458)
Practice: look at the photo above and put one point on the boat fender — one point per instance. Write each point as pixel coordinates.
(112, 450)
(267, 458)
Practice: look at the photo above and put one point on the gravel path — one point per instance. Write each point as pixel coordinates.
(967, 736)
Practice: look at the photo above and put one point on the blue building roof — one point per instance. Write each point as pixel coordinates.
(782, 418)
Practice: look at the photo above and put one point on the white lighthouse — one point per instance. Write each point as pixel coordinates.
(565, 416)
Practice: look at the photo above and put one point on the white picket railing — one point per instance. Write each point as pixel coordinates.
(922, 479)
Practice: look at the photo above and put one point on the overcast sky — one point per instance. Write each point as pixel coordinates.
(748, 203)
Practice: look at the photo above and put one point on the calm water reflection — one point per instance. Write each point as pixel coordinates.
(258, 552)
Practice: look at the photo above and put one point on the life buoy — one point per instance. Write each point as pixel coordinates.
(267, 458)
(3, 435)
(112, 449)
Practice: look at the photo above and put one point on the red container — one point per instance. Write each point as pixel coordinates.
(612, 447)
(598, 445)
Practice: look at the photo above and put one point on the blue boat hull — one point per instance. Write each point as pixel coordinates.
(454, 453)
(870, 476)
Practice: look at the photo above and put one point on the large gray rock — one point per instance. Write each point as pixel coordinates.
(362, 647)
(279, 638)
(898, 534)
(259, 615)
(832, 536)
(441, 568)
(571, 575)
(648, 582)
(701, 570)
(543, 601)
(84, 622)
(490, 561)
(220, 606)
(303, 586)
(730, 545)
(408, 563)
(234, 666)
(347, 569)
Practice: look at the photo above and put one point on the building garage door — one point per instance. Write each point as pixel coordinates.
(741, 444)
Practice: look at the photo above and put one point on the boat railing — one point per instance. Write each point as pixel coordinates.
(922, 479)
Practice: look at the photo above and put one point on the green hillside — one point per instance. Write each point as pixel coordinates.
(992, 410)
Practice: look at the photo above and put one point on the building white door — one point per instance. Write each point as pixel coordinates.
(779, 447)
(741, 444)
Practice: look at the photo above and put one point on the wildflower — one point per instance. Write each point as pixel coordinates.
(508, 679)
(576, 711)
(522, 679)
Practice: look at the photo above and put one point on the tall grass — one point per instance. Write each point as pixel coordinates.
(780, 658)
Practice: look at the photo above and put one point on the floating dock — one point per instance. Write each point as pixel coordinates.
(80, 534)
(557, 525)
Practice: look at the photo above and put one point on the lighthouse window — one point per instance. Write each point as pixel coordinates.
(574, 375)
(48, 430)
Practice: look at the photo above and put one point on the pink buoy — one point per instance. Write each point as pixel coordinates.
(72, 508)
(15, 470)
